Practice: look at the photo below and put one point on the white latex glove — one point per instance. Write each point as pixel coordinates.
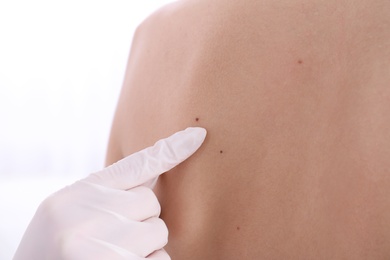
(111, 214)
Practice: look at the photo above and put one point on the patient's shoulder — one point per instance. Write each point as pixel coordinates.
(168, 77)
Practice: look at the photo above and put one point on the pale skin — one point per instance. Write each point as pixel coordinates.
(295, 96)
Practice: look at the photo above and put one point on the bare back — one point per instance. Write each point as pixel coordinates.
(295, 96)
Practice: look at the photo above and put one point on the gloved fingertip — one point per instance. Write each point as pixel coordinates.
(199, 133)
(186, 142)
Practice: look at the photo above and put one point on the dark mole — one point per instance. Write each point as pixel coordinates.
(197, 119)
(238, 228)
(300, 61)
(221, 151)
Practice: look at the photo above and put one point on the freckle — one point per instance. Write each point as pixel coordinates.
(300, 61)
(238, 228)
(221, 151)
(197, 119)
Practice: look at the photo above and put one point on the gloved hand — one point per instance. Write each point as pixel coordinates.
(111, 214)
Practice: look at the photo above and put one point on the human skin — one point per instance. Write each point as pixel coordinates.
(295, 96)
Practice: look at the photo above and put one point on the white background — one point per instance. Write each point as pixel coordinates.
(62, 64)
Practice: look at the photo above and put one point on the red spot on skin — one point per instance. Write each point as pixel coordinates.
(300, 61)
(197, 119)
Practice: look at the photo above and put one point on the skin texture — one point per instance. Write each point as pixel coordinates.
(295, 96)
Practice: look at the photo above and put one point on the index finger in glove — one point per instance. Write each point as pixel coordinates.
(141, 167)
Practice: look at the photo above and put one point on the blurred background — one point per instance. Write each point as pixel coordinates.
(62, 64)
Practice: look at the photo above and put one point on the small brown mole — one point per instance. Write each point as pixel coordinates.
(238, 228)
(197, 119)
(221, 151)
(300, 61)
